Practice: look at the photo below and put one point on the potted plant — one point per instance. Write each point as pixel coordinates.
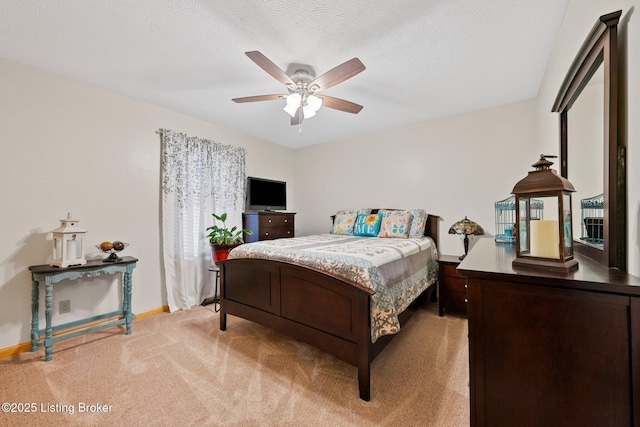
(223, 239)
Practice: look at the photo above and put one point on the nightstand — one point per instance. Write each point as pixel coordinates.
(452, 287)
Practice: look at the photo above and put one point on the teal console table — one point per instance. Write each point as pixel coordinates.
(51, 275)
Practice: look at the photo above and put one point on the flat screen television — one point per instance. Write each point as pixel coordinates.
(266, 194)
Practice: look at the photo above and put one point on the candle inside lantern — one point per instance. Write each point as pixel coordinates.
(72, 249)
(57, 247)
(544, 239)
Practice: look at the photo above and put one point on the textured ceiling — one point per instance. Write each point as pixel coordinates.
(425, 59)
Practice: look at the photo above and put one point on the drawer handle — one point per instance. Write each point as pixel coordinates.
(286, 220)
(269, 220)
(266, 234)
(288, 232)
(466, 300)
(465, 285)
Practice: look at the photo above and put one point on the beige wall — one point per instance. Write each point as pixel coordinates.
(68, 146)
(452, 167)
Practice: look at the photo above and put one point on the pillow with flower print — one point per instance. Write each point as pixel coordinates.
(367, 225)
(418, 222)
(395, 224)
(345, 221)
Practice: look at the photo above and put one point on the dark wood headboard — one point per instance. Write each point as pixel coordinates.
(431, 229)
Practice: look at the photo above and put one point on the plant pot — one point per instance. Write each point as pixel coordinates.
(220, 252)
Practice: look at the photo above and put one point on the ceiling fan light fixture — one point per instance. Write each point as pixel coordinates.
(291, 109)
(308, 112)
(314, 102)
(294, 99)
(293, 103)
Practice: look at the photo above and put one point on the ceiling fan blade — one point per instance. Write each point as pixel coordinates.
(298, 118)
(340, 104)
(258, 98)
(271, 68)
(337, 75)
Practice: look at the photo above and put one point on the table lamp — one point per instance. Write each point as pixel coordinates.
(466, 227)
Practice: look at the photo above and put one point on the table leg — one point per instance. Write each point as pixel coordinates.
(216, 297)
(126, 299)
(48, 332)
(223, 314)
(223, 321)
(35, 306)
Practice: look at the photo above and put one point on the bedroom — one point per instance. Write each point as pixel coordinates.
(110, 180)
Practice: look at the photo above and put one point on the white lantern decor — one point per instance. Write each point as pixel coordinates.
(68, 244)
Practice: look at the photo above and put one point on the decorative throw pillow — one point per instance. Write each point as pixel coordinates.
(418, 222)
(344, 221)
(367, 225)
(395, 224)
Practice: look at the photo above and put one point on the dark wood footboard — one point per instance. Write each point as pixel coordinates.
(318, 309)
(313, 307)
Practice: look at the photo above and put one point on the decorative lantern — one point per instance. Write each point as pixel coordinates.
(545, 244)
(68, 244)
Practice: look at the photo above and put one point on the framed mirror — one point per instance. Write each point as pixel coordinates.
(590, 145)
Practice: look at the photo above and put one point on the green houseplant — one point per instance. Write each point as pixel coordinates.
(223, 239)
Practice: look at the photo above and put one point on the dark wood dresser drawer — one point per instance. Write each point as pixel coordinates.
(268, 225)
(275, 221)
(452, 286)
(268, 233)
(449, 268)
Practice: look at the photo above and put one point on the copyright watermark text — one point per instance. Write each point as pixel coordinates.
(42, 407)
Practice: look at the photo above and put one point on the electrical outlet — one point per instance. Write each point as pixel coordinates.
(65, 306)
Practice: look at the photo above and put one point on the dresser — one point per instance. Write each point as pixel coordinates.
(452, 286)
(268, 225)
(551, 348)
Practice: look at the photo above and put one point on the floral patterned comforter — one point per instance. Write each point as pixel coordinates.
(395, 271)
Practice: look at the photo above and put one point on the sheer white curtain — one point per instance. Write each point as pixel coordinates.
(199, 177)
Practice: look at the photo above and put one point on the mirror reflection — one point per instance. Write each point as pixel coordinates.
(585, 148)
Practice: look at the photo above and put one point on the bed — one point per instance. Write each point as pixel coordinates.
(343, 294)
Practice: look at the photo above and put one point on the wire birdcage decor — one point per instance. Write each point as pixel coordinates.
(506, 218)
(592, 222)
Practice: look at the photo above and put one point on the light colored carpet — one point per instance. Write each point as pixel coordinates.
(180, 369)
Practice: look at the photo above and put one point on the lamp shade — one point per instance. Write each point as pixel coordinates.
(314, 102)
(308, 112)
(293, 103)
(467, 227)
(294, 99)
